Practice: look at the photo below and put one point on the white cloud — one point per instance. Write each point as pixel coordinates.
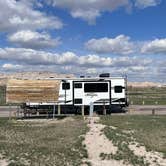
(16, 15)
(34, 57)
(89, 10)
(131, 61)
(157, 46)
(118, 45)
(91, 71)
(31, 39)
(137, 68)
(146, 3)
(21, 59)
(89, 15)
(9, 66)
(122, 45)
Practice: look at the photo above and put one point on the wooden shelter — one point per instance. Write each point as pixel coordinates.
(20, 91)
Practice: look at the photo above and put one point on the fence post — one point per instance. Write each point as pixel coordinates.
(82, 110)
(153, 111)
(54, 112)
(59, 109)
(104, 109)
(91, 109)
(17, 112)
(10, 111)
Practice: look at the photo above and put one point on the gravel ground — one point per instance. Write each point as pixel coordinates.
(132, 109)
(5, 111)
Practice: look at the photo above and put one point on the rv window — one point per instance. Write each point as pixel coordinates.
(96, 87)
(65, 86)
(78, 85)
(118, 89)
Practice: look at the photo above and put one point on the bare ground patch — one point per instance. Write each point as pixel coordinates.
(97, 143)
(3, 161)
(153, 158)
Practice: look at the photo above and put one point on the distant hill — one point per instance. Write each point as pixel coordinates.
(145, 84)
(30, 75)
(45, 74)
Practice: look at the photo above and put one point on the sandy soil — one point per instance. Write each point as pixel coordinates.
(97, 143)
(3, 162)
(153, 158)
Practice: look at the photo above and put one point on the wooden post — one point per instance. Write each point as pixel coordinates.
(59, 109)
(82, 110)
(54, 112)
(18, 111)
(10, 112)
(153, 111)
(104, 110)
(37, 112)
(91, 109)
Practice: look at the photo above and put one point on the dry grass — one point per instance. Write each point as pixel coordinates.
(148, 131)
(26, 143)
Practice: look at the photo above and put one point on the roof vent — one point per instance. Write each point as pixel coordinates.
(104, 75)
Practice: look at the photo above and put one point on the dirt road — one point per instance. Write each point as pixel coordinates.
(5, 111)
(147, 109)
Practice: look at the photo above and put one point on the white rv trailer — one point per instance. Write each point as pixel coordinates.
(103, 90)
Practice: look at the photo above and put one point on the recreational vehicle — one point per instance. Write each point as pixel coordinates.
(99, 91)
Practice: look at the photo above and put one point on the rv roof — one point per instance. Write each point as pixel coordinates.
(86, 78)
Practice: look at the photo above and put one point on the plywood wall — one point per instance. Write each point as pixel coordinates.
(19, 91)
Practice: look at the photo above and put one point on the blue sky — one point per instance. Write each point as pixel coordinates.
(85, 37)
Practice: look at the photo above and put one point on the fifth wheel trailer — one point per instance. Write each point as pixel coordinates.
(76, 92)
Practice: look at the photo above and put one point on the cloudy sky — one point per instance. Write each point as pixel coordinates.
(85, 37)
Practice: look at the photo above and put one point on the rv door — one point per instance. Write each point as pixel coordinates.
(78, 93)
